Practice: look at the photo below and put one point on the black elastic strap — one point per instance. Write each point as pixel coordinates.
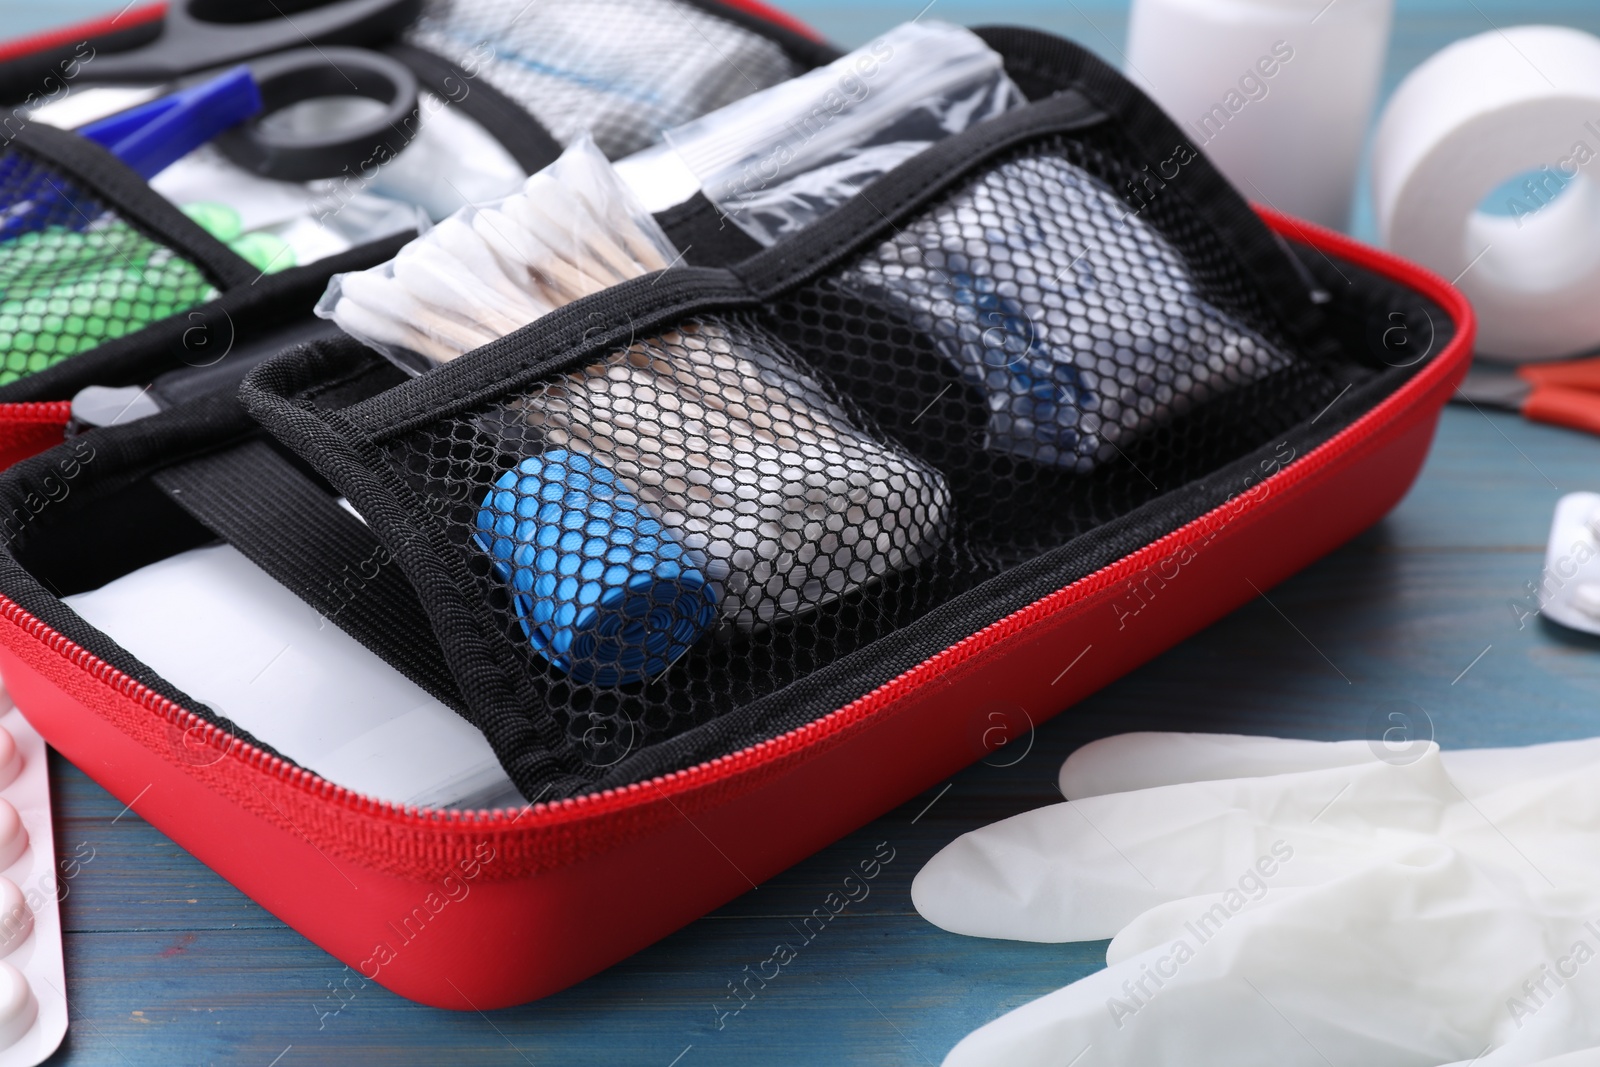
(518, 132)
(706, 236)
(259, 503)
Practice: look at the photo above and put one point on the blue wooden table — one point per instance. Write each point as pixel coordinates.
(168, 964)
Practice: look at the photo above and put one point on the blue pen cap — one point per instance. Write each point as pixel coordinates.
(601, 588)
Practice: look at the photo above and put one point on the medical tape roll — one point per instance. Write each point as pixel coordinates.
(1484, 110)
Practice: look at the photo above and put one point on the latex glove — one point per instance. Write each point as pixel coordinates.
(1147, 759)
(1424, 923)
(1411, 961)
(1083, 870)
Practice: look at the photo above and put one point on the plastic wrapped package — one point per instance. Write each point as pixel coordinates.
(1080, 321)
(777, 160)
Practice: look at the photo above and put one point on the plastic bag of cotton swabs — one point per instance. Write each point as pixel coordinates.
(485, 271)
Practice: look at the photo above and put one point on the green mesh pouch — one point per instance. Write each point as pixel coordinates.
(89, 253)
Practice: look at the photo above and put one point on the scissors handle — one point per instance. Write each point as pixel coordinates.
(1576, 409)
(189, 43)
(1566, 374)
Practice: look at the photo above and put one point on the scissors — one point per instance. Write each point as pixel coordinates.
(1564, 393)
(293, 57)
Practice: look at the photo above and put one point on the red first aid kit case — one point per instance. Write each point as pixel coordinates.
(1030, 409)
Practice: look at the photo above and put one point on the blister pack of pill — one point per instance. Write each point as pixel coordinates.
(1568, 589)
(33, 986)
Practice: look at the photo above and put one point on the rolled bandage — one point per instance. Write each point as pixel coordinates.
(1477, 113)
(600, 587)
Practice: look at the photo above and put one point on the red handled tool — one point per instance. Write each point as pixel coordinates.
(1561, 394)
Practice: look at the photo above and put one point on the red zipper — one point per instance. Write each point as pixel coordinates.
(730, 766)
(46, 411)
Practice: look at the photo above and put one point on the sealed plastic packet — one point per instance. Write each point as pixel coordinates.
(777, 160)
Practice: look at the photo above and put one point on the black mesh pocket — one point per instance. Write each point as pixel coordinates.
(74, 272)
(1059, 345)
(695, 492)
(622, 70)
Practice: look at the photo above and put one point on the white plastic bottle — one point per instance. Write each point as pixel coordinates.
(1277, 92)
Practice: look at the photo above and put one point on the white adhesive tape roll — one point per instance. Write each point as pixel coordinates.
(1477, 113)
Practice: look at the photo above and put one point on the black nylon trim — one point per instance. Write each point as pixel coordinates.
(707, 238)
(518, 132)
(532, 748)
(283, 523)
(582, 329)
(137, 357)
(113, 182)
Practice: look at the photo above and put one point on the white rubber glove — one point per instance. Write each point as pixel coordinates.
(1082, 870)
(1144, 760)
(1408, 962)
(1342, 891)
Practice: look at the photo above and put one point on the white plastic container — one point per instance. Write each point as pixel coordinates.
(1278, 93)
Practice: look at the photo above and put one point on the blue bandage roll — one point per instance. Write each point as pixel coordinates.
(601, 588)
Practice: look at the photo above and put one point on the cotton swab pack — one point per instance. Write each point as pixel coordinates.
(485, 271)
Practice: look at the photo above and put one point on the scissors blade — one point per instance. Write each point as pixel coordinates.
(1500, 389)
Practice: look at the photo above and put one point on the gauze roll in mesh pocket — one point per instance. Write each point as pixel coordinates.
(1080, 322)
(694, 476)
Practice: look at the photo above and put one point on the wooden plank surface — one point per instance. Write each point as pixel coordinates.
(168, 964)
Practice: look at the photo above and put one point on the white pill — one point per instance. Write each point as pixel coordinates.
(10, 759)
(13, 835)
(16, 918)
(18, 1008)
(1586, 598)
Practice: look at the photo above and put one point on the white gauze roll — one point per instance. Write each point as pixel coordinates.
(1477, 113)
